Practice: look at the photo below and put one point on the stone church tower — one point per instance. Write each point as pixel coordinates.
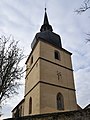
(49, 82)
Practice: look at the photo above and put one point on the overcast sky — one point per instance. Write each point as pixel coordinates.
(23, 18)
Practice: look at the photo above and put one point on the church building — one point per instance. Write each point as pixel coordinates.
(49, 81)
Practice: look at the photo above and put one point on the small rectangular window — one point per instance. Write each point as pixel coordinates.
(31, 59)
(30, 105)
(57, 55)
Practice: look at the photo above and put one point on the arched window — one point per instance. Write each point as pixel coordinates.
(30, 105)
(60, 102)
(57, 55)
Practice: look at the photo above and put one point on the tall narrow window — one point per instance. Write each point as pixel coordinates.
(57, 55)
(20, 111)
(30, 105)
(60, 102)
(31, 59)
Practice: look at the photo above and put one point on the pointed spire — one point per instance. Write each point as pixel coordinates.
(45, 18)
(46, 26)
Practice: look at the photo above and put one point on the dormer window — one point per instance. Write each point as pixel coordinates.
(57, 55)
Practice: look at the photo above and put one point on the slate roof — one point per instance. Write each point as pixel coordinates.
(47, 35)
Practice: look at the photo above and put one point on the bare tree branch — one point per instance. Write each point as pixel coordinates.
(10, 71)
(84, 7)
(88, 39)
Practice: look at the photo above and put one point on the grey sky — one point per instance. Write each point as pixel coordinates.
(23, 18)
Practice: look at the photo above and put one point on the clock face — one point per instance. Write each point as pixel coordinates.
(59, 75)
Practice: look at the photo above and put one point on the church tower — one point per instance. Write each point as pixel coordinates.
(49, 82)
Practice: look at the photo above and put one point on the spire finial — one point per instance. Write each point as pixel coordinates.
(45, 9)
